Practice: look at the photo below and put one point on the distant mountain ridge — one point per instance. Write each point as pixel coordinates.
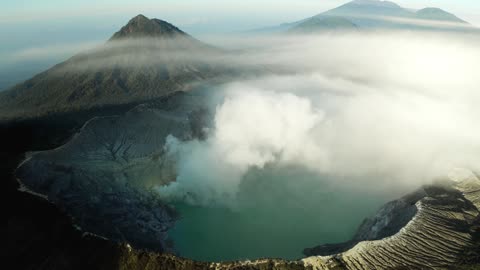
(438, 15)
(384, 4)
(360, 11)
(323, 24)
(368, 14)
(141, 26)
(367, 7)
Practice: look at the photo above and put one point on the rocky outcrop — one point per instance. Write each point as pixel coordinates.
(442, 234)
(103, 177)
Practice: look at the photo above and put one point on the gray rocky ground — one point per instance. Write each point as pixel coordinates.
(103, 177)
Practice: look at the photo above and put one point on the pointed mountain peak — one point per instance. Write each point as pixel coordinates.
(143, 27)
(139, 17)
(360, 8)
(375, 3)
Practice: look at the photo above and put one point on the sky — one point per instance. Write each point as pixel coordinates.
(186, 12)
(24, 23)
(29, 28)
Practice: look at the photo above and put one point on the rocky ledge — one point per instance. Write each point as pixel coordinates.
(104, 176)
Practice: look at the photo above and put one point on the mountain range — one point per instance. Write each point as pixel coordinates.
(151, 58)
(374, 14)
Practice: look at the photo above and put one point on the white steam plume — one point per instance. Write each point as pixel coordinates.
(381, 108)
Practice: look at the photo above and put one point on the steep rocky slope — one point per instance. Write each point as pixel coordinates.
(442, 234)
(102, 177)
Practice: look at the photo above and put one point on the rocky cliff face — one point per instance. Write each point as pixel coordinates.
(388, 220)
(443, 233)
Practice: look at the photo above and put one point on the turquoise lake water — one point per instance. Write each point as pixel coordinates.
(280, 213)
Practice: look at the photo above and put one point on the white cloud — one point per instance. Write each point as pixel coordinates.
(398, 108)
(51, 51)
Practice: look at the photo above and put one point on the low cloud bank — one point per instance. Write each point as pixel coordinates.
(394, 110)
